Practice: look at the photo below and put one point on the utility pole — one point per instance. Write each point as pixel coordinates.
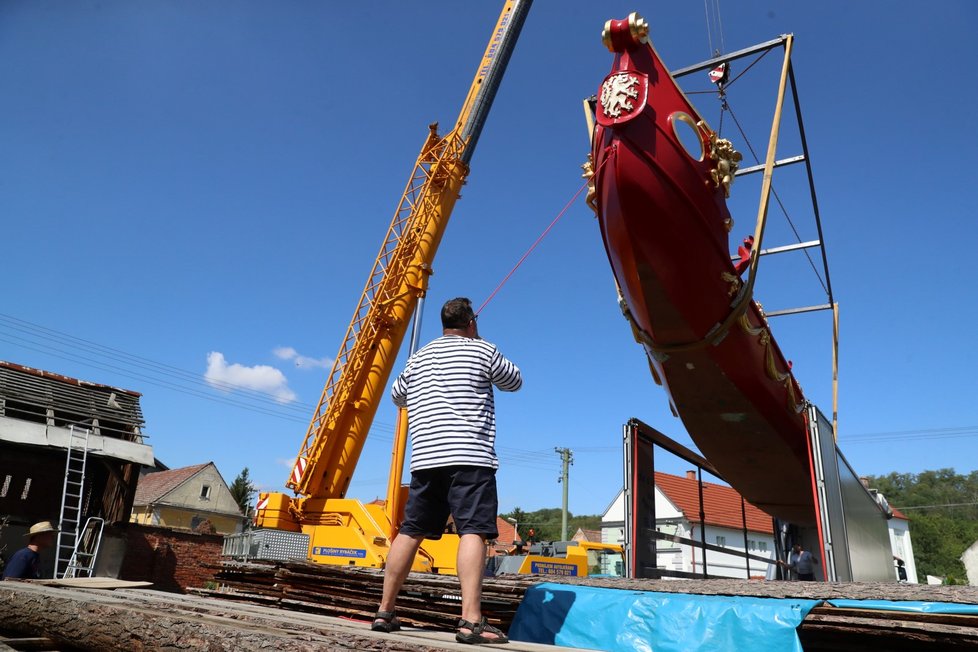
(566, 458)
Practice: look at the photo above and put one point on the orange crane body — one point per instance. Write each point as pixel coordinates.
(342, 530)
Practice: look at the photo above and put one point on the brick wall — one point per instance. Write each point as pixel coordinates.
(172, 560)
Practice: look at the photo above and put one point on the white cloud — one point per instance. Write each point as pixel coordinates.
(288, 463)
(302, 361)
(261, 378)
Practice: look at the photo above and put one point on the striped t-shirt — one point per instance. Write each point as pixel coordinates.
(447, 389)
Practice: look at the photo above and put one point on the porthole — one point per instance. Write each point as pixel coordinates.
(688, 135)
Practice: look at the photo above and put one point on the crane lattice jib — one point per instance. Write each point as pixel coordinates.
(362, 368)
(358, 379)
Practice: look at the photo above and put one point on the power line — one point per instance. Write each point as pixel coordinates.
(64, 346)
(972, 504)
(921, 431)
(912, 435)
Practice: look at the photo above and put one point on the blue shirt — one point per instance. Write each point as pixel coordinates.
(802, 562)
(23, 565)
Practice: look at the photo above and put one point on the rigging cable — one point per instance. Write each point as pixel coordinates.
(709, 28)
(543, 235)
(777, 198)
(714, 22)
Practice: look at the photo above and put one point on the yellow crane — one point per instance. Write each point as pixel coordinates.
(342, 530)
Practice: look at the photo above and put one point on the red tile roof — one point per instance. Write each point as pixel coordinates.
(593, 536)
(507, 532)
(721, 505)
(153, 486)
(898, 514)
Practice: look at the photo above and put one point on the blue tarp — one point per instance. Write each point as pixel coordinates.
(614, 619)
(907, 605)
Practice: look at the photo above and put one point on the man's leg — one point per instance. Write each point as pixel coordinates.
(472, 498)
(470, 565)
(403, 549)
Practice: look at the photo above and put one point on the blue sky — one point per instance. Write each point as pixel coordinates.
(205, 186)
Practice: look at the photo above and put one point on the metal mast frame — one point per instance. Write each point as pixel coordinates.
(785, 42)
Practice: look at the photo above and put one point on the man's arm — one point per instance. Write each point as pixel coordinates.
(18, 567)
(399, 389)
(504, 374)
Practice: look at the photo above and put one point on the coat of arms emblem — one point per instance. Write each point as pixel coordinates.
(622, 97)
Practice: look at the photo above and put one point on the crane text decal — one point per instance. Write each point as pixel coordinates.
(322, 551)
(550, 568)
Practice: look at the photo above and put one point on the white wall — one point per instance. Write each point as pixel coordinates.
(902, 547)
(679, 557)
(970, 561)
(723, 565)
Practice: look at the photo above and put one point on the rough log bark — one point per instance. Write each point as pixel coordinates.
(433, 600)
(108, 623)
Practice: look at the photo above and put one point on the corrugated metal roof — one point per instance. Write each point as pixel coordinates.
(40, 396)
(721, 505)
(154, 486)
(62, 379)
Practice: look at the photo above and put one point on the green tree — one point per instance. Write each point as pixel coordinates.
(546, 522)
(243, 489)
(942, 506)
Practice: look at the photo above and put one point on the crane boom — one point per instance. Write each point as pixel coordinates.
(362, 368)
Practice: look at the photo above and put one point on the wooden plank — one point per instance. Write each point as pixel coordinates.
(433, 601)
(94, 583)
(963, 620)
(28, 643)
(144, 620)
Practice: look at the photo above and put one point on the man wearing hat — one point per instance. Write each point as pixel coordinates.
(25, 563)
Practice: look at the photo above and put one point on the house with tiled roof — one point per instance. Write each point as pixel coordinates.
(593, 536)
(900, 542)
(899, 527)
(677, 511)
(186, 497)
(507, 540)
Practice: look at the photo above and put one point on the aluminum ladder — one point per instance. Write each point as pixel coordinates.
(72, 499)
(82, 562)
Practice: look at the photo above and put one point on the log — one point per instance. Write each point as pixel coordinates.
(433, 600)
(106, 623)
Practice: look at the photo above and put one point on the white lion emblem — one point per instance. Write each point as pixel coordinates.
(615, 94)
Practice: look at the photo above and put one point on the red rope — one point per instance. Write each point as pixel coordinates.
(540, 239)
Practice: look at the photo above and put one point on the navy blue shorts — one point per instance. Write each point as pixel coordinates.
(468, 493)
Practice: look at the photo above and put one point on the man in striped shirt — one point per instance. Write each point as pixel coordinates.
(447, 388)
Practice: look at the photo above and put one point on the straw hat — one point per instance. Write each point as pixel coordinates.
(41, 528)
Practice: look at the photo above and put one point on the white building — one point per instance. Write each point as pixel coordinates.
(901, 544)
(677, 512)
(970, 560)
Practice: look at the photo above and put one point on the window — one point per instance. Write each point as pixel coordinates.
(751, 544)
(762, 546)
(205, 492)
(721, 541)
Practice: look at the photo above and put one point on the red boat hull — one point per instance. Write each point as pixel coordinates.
(665, 226)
